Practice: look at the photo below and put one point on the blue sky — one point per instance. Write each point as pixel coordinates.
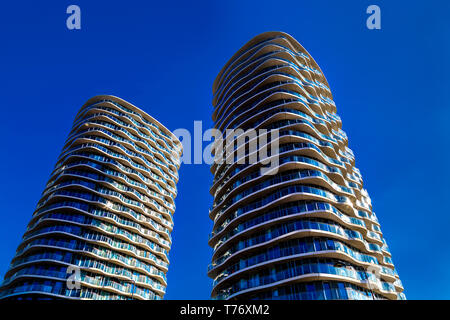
(390, 87)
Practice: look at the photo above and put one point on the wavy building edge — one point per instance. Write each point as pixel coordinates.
(331, 237)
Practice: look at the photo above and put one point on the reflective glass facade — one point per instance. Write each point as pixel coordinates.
(107, 210)
(307, 232)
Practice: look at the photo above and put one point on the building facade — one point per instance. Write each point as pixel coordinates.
(102, 228)
(308, 231)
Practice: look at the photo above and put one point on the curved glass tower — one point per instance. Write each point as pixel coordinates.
(308, 231)
(101, 229)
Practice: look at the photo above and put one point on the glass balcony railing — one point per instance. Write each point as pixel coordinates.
(291, 208)
(298, 225)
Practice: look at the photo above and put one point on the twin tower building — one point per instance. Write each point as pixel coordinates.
(102, 228)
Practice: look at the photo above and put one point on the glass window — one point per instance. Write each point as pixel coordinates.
(327, 291)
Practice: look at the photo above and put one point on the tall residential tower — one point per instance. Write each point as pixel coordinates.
(307, 232)
(101, 229)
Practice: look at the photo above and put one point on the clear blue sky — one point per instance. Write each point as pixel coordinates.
(390, 87)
